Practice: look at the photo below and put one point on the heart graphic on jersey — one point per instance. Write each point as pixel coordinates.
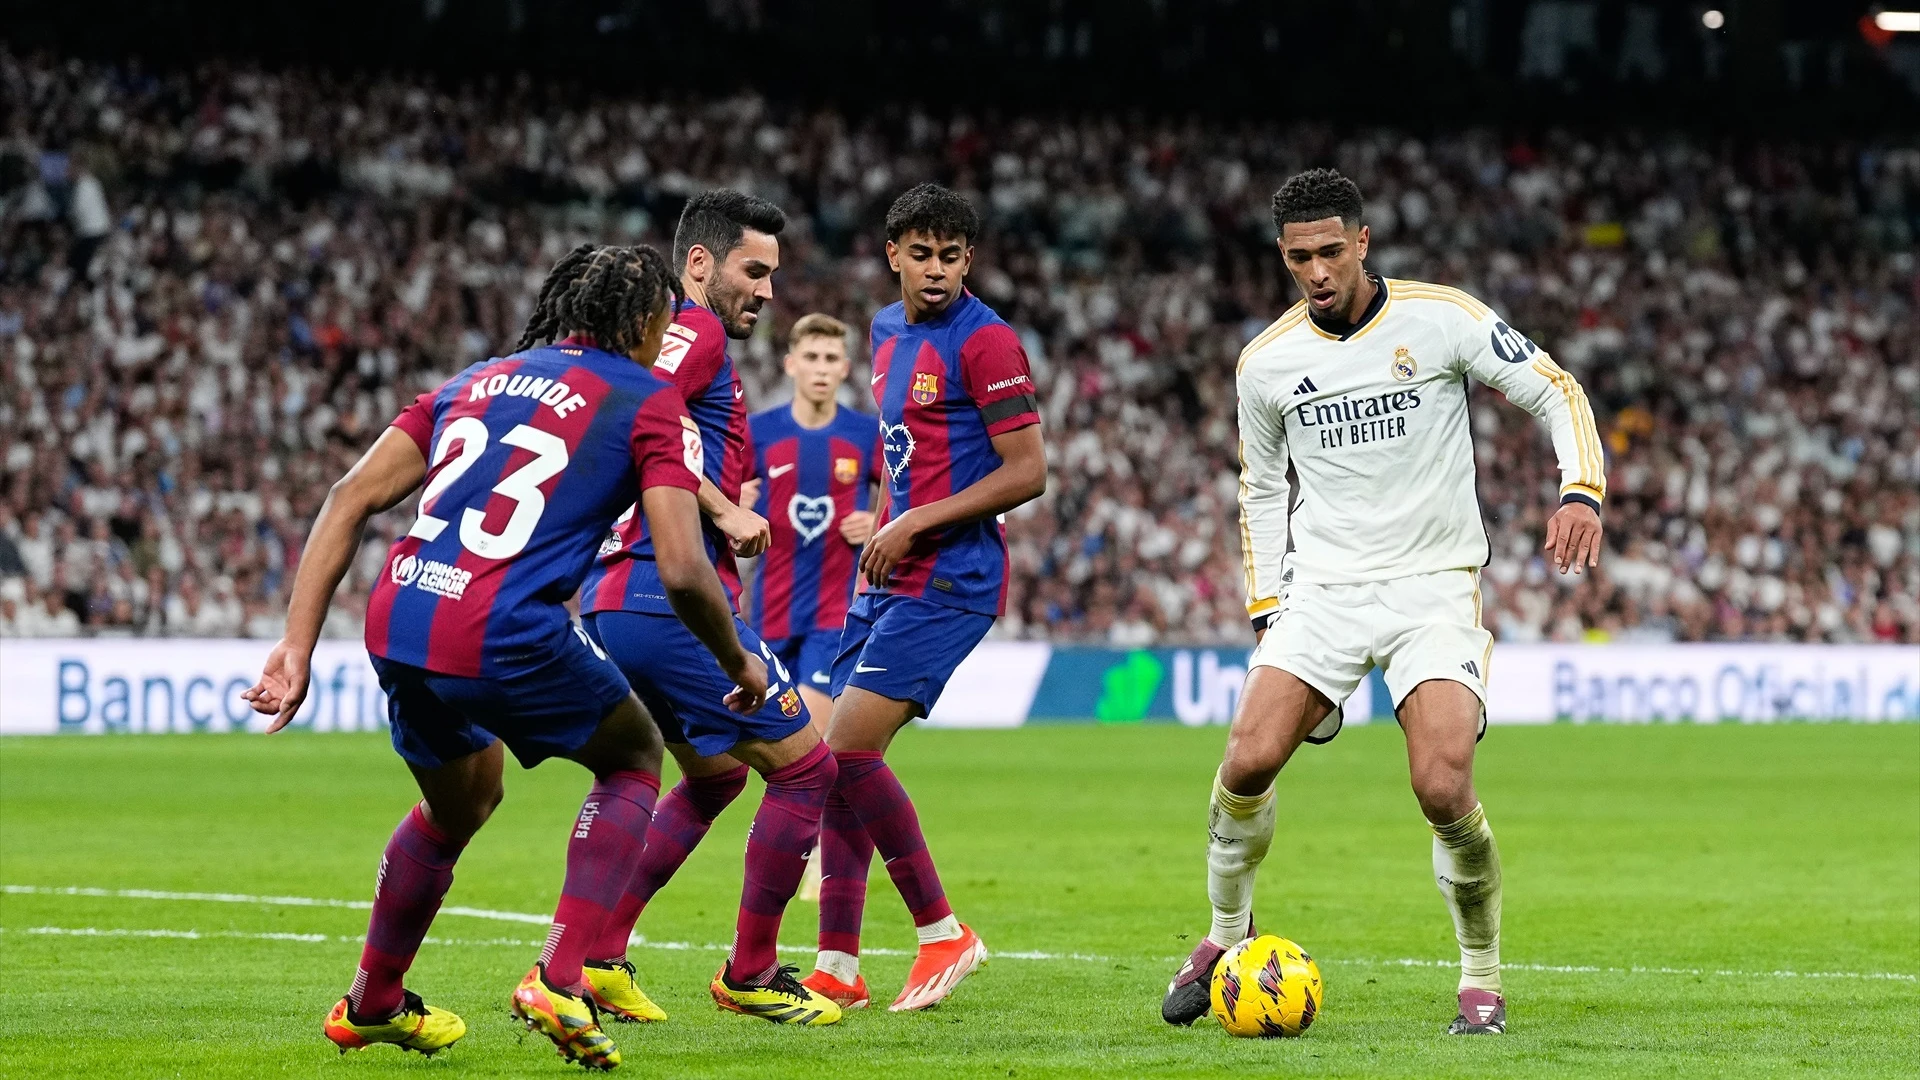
(810, 516)
(897, 443)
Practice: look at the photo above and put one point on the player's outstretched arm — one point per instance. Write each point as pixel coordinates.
(1021, 478)
(386, 474)
(692, 587)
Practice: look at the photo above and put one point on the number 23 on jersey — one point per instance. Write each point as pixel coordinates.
(469, 434)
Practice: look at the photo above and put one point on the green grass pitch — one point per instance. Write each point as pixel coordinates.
(1679, 901)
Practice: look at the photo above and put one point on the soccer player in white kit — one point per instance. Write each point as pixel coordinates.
(1364, 544)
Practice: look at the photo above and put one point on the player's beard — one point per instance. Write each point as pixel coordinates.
(733, 307)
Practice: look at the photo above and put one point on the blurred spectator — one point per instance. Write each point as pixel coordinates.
(216, 288)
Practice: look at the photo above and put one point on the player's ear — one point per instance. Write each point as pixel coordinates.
(787, 364)
(1360, 243)
(653, 331)
(893, 256)
(966, 260)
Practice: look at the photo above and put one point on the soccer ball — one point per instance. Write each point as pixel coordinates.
(1266, 986)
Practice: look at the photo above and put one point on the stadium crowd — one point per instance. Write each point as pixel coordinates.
(217, 287)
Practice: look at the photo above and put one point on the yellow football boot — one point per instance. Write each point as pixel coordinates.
(568, 1021)
(616, 989)
(784, 1000)
(417, 1026)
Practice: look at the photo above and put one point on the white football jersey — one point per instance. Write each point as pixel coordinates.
(1356, 454)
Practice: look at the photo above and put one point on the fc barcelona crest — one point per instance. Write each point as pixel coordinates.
(790, 703)
(846, 469)
(926, 387)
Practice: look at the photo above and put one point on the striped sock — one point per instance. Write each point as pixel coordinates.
(415, 872)
(679, 824)
(874, 793)
(846, 855)
(607, 840)
(783, 832)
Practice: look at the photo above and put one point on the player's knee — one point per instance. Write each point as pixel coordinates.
(489, 802)
(460, 822)
(649, 748)
(1445, 791)
(1251, 762)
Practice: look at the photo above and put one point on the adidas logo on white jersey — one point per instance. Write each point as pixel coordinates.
(1306, 387)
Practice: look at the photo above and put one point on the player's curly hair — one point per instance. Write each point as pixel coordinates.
(1317, 194)
(939, 212)
(606, 293)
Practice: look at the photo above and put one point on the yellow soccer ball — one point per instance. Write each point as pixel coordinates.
(1266, 986)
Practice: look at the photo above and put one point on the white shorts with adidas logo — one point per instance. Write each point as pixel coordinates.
(1414, 628)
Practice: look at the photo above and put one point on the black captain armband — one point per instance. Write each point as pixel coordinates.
(1008, 408)
(1263, 620)
(1580, 497)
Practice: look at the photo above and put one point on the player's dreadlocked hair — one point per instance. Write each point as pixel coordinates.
(606, 293)
(1315, 195)
(939, 212)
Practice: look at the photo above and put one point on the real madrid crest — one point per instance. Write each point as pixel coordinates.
(1404, 367)
(926, 387)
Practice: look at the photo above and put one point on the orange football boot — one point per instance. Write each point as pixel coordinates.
(938, 969)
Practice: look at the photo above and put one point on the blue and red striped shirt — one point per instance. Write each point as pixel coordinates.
(694, 359)
(810, 478)
(530, 460)
(945, 388)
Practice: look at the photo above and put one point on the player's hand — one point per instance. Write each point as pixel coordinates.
(887, 547)
(750, 685)
(747, 532)
(282, 686)
(1573, 537)
(857, 528)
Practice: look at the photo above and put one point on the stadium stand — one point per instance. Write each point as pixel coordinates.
(218, 286)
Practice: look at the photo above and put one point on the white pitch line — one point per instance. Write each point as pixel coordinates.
(1592, 969)
(679, 946)
(275, 901)
(199, 935)
(469, 912)
(353, 939)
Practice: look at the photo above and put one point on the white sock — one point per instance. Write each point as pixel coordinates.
(939, 930)
(1239, 831)
(840, 965)
(1466, 866)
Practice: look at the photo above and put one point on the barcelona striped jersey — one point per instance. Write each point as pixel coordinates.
(694, 359)
(810, 479)
(945, 387)
(530, 460)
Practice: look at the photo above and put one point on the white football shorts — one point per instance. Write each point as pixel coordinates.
(1413, 628)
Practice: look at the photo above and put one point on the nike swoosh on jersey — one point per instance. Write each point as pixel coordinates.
(820, 677)
(862, 669)
(877, 377)
(779, 470)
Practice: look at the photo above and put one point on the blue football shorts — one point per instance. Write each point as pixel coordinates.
(682, 685)
(547, 707)
(809, 657)
(904, 647)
